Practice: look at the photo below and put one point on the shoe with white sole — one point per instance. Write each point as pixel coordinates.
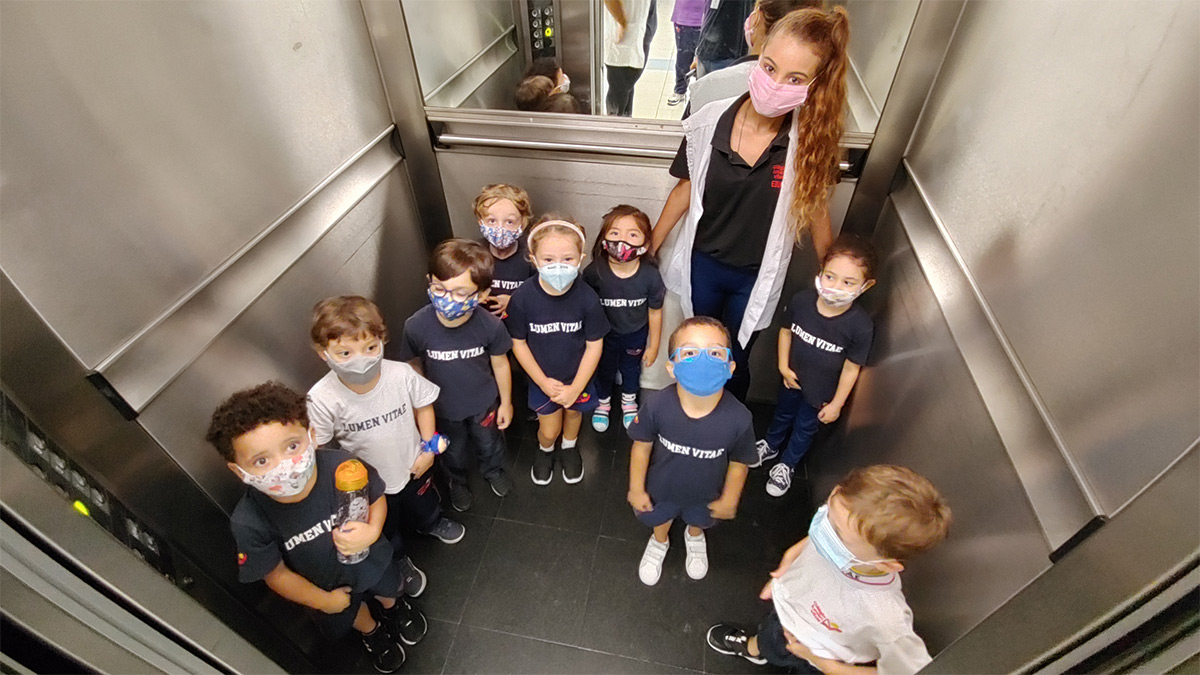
(696, 562)
(779, 480)
(765, 453)
(650, 569)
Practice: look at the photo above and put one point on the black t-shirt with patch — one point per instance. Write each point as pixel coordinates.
(822, 344)
(739, 199)
(691, 456)
(300, 534)
(509, 273)
(557, 328)
(626, 302)
(459, 359)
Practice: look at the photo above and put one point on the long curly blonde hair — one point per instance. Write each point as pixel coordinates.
(821, 117)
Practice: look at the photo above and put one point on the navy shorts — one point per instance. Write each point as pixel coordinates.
(334, 626)
(696, 515)
(541, 404)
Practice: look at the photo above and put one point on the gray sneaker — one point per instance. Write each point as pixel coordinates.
(460, 497)
(501, 483)
(448, 531)
(414, 579)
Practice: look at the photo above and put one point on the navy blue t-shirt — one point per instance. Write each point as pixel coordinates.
(822, 344)
(557, 328)
(509, 273)
(691, 456)
(459, 359)
(626, 302)
(301, 534)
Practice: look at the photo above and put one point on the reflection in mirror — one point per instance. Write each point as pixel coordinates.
(653, 59)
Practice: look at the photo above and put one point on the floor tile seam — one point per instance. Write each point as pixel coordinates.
(475, 579)
(450, 649)
(592, 576)
(543, 526)
(585, 649)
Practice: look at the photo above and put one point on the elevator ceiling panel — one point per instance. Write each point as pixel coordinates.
(144, 143)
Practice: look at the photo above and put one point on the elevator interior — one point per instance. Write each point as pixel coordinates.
(180, 182)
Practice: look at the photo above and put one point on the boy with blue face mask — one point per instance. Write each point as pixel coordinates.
(381, 411)
(284, 524)
(464, 352)
(838, 606)
(692, 444)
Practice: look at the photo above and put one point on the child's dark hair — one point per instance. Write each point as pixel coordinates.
(694, 322)
(455, 256)
(562, 102)
(547, 67)
(621, 211)
(252, 408)
(858, 249)
(346, 316)
(532, 92)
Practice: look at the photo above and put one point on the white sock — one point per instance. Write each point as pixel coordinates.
(545, 449)
(569, 443)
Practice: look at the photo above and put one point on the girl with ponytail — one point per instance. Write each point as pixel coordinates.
(755, 174)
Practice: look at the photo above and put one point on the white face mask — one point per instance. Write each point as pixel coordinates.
(836, 297)
(564, 87)
(288, 478)
(356, 370)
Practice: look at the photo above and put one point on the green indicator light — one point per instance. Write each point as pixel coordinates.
(549, 32)
(81, 508)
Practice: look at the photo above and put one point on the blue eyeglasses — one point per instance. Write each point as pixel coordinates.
(687, 353)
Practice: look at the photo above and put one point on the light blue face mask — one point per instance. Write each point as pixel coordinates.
(702, 374)
(560, 276)
(827, 542)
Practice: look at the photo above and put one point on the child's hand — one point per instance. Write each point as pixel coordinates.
(421, 464)
(640, 501)
(336, 600)
(790, 380)
(354, 537)
(650, 356)
(567, 396)
(504, 415)
(723, 509)
(789, 557)
(829, 413)
(498, 304)
(551, 387)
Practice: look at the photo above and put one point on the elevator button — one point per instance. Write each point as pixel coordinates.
(549, 32)
(535, 12)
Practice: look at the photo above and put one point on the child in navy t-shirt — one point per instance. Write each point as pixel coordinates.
(822, 346)
(557, 326)
(631, 292)
(692, 445)
(503, 212)
(464, 352)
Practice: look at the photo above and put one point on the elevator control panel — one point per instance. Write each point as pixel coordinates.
(541, 28)
(85, 495)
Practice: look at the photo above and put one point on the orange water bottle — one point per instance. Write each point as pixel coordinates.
(353, 502)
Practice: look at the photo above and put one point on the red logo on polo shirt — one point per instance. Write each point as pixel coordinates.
(777, 176)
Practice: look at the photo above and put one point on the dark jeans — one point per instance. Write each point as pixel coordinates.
(621, 79)
(477, 433)
(722, 292)
(772, 646)
(416, 508)
(794, 414)
(686, 38)
(705, 66)
(624, 353)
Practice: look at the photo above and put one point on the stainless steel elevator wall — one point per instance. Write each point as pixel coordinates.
(466, 51)
(1058, 149)
(147, 142)
(879, 31)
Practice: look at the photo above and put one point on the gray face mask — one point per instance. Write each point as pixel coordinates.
(358, 370)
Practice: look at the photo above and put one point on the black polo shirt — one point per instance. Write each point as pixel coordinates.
(739, 199)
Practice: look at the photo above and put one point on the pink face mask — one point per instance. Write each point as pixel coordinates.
(772, 99)
(748, 28)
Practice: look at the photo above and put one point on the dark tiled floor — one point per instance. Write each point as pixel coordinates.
(545, 580)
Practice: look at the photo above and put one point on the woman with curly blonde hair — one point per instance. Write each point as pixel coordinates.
(755, 173)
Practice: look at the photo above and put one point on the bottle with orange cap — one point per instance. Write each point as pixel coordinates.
(353, 501)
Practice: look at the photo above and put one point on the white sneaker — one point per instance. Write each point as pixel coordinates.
(779, 480)
(696, 563)
(650, 569)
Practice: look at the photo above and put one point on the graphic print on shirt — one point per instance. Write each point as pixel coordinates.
(819, 615)
(622, 302)
(556, 327)
(815, 341)
(454, 354)
(377, 420)
(310, 534)
(680, 449)
(505, 286)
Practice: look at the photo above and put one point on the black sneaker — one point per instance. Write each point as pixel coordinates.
(405, 622)
(572, 465)
(414, 579)
(460, 496)
(726, 639)
(387, 654)
(501, 483)
(543, 467)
